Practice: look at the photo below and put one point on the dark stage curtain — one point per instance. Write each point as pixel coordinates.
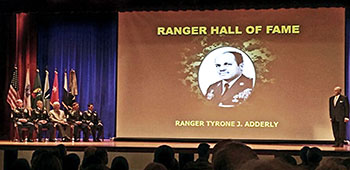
(86, 44)
(7, 55)
(18, 48)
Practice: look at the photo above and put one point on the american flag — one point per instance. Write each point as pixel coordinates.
(12, 95)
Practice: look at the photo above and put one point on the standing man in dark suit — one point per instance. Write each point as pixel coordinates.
(234, 87)
(339, 115)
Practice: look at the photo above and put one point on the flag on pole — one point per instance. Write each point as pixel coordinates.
(12, 95)
(46, 96)
(54, 94)
(37, 93)
(27, 93)
(67, 97)
(73, 83)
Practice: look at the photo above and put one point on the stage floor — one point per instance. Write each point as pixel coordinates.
(149, 146)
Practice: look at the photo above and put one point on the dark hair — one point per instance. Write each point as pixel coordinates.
(71, 162)
(314, 155)
(102, 155)
(90, 104)
(203, 150)
(238, 57)
(47, 160)
(36, 155)
(303, 153)
(91, 160)
(165, 155)
(119, 163)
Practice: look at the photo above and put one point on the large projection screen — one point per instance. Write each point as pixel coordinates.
(280, 65)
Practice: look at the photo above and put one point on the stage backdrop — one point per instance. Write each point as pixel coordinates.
(87, 44)
(169, 78)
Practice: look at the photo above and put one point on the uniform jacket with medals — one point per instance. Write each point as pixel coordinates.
(91, 116)
(20, 113)
(40, 114)
(238, 92)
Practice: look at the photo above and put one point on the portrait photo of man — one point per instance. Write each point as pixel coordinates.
(232, 86)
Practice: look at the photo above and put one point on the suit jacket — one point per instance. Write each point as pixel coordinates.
(237, 93)
(340, 110)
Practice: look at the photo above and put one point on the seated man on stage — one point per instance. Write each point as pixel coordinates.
(22, 119)
(91, 118)
(76, 119)
(59, 119)
(41, 118)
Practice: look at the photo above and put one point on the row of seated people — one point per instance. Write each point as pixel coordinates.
(87, 122)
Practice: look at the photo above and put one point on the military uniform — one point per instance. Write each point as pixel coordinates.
(78, 116)
(234, 94)
(41, 114)
(91, 118)
(22, 113)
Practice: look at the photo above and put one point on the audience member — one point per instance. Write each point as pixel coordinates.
(103, 155)
(185, 158)
(89, 161)
(62, 151)
(303, 156)
(20, 164)
(47, 161)
(71, 162)
(89, 151)
(165, 155)
(155, 166)
(36, 155)
(314, 157)
(119, 163)
(331, 164)
(232, 155)
(202, 162)
(219, 145)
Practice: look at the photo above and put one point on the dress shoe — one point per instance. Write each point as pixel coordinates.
(30, 140)
(77, 140)
(39, 140)
(51, 140)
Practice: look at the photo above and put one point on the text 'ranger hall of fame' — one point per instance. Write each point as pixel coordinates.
(226, 77)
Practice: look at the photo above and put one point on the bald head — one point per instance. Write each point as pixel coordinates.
(56, 106)
(337, 90)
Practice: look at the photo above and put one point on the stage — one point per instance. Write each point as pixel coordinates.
(179, 147)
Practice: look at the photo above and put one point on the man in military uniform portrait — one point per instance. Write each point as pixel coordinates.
(91, 118)
(22, 119)
(234, 87)
(41, 118)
